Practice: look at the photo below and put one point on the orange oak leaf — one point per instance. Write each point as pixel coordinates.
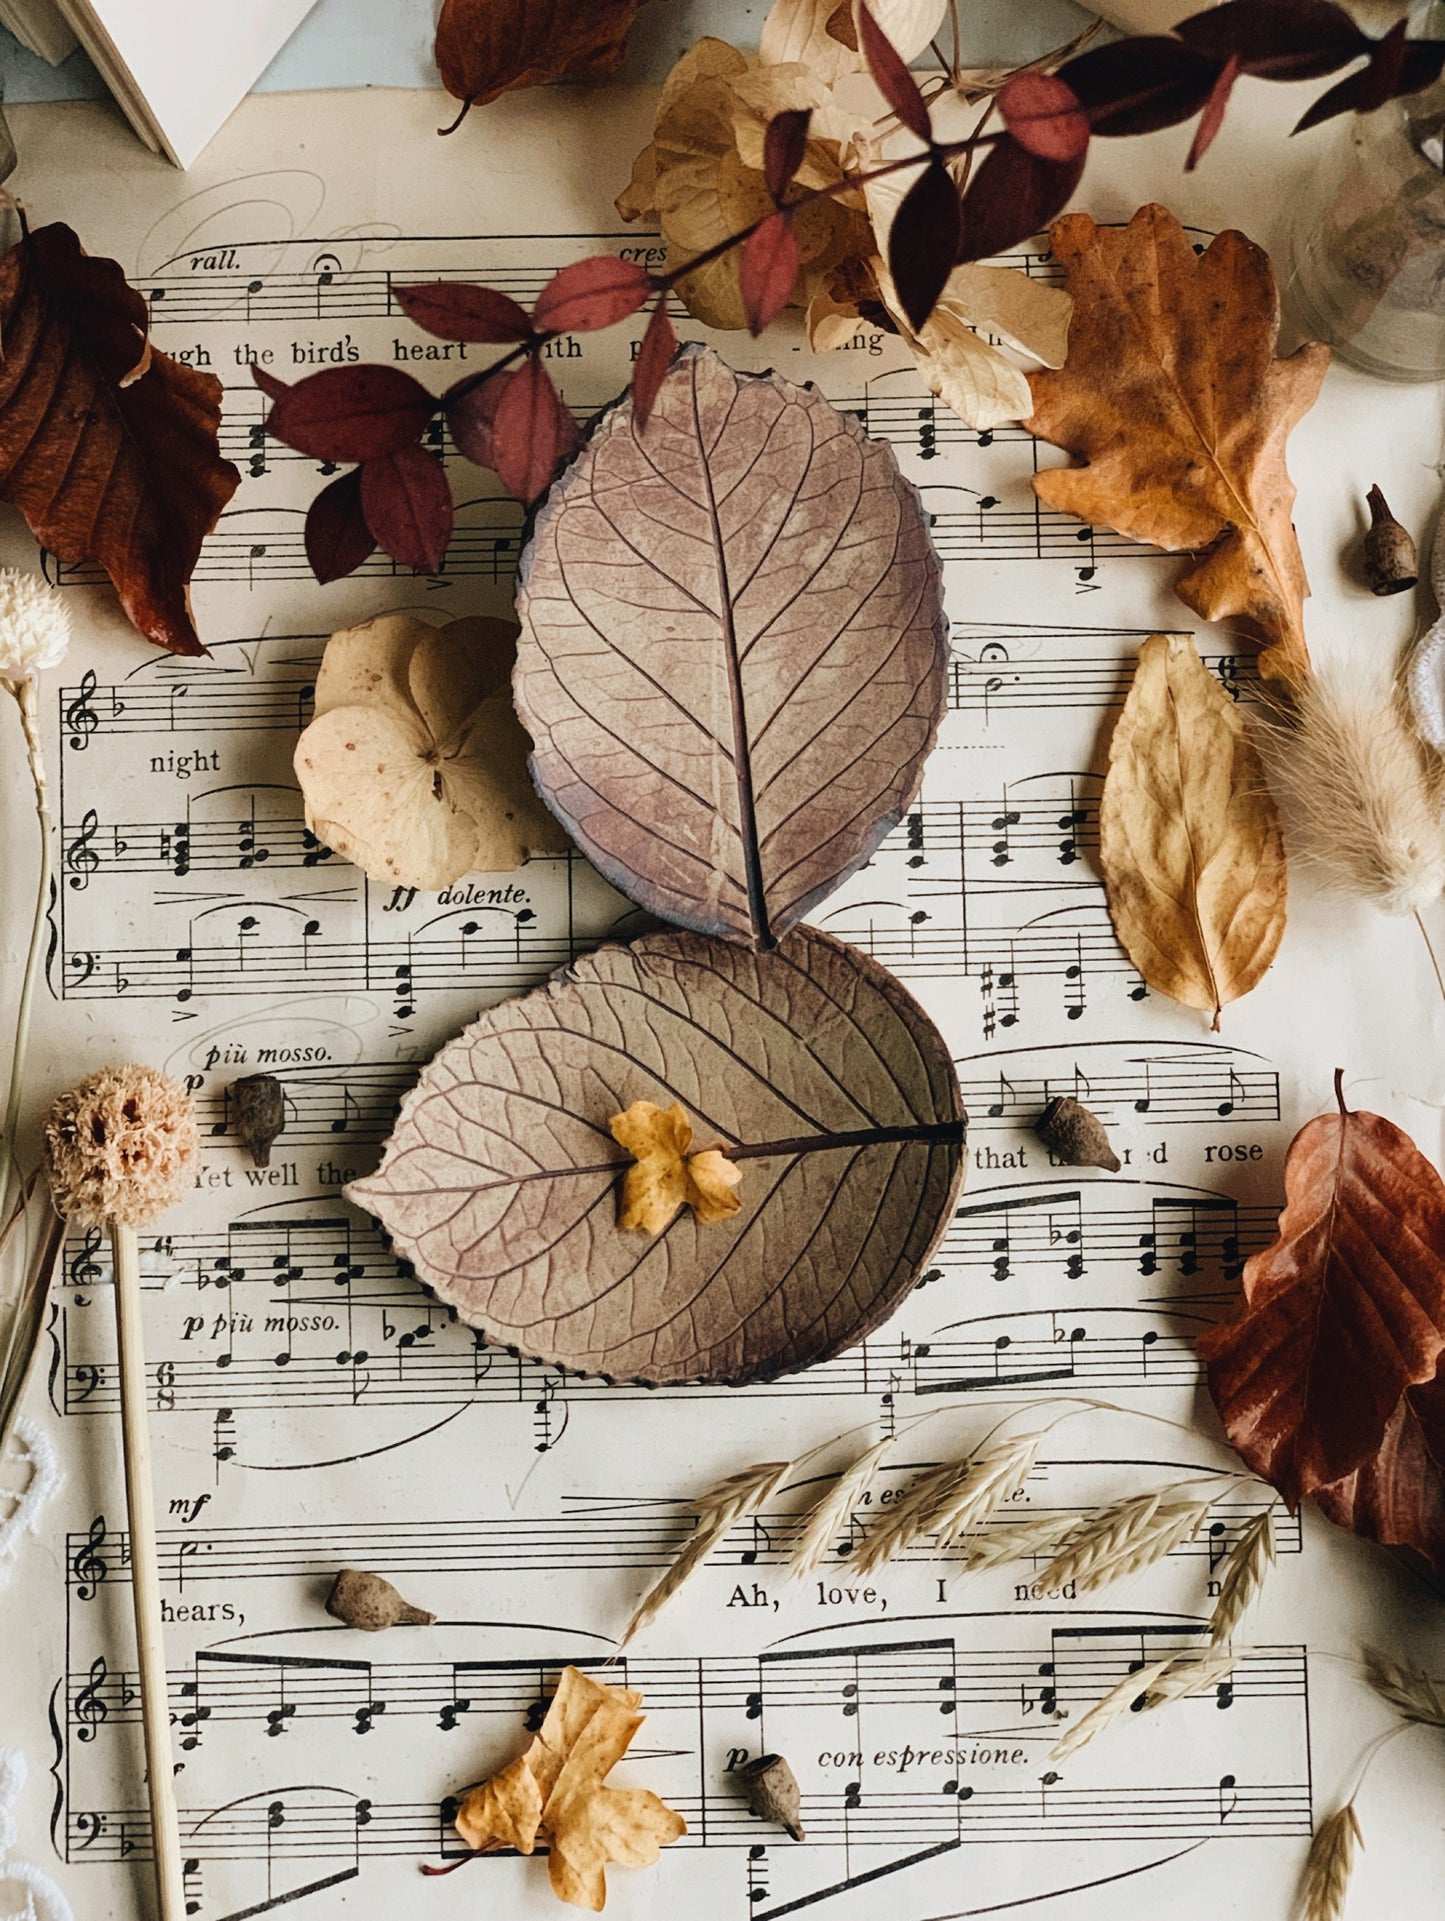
(1341, 1315)
(1173, 398)
(107, 446)
(486, 47)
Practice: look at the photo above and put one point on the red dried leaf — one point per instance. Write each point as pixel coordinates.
(768, 270)
(1343, 1313)
(592, 293)
(455, 310)
(352, 413)
(486, 47)
(1398, 1496)
(654, 357)
(1212, 118)
(408, 506)
(784, 145)
(532, 432)
(1044, 116)
(107, 447)
(1140, 85)
(338, 539)
(267, 382)
(1398, 67)
(1287, 40)
(1011, 197)
(923, 241)
(890, 70)
(469, 419)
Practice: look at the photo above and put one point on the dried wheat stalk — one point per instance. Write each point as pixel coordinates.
(1123, 1539)
(1245, 1567)
(718, 1511)
(1192, 1673)
(949, 1500)
(1417, 1695)
(1331, 1861)
(1117, 1701)
(822, 1522)
(1016, 1541)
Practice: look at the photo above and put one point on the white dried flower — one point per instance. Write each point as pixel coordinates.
(34, 625)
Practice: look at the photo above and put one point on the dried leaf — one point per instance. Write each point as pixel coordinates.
(1398, 1496)
(592, 293)
(556, 1794)
(822, 34)
(500, 1180)
(518, 424)
(456, 310)
(654, 357)
(733, 657)
(1140, 84)
(768, 271)
(1011, 196)
(338, 539)
(890, 70)
(668, 1175)
(784, 146)
(486, 47)
(407, 504)
(107, 446)
(1343, 1313)
(923, 241)
(1044, 116)
(1189, 838)
(350, 413)
(1212, 118)
(1173, 397)
(414, 767)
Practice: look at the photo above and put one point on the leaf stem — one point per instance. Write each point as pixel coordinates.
(1340, 1093)
(948, 1133)
(1430, 950)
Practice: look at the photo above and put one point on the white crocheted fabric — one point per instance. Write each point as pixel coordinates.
(29, 1476)
(1427, 664)
(37, 1896)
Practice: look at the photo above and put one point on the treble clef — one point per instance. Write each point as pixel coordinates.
(90, 1707)
(88, 1567)
(82, 1268)
(81, 719)
(81, 859)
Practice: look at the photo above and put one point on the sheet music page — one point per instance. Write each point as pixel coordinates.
(313, 1408)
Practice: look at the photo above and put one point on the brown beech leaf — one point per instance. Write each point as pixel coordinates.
(809, 1065)
(1173, 397)
(1397, 1496)
(486, 47)
(556, 1794)
(1341, 1315)
(107, 446)
(733, 653)
(1189, 838)
(415, 767)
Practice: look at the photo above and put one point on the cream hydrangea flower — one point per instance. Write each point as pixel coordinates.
(34, 625)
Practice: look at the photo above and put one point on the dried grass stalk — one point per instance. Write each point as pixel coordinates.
(718, 1511)
(1417, 1695)
(1192, 1673)
(1123, 1539)
(1330, 1864)
(1245, 1567)
(1117, 1701)
(950, 1500)
(834, 1512)
(1362, 796)
(1016, 1541)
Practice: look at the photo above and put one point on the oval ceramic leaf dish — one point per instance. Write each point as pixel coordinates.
(828, 1085)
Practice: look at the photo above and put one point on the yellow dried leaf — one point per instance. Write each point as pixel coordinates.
(1189, 838)
(667, 1175)
(556, 1794)
(415, 766)
(1173, 397)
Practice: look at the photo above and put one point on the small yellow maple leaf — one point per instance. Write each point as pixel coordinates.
(667, 1175)
(556, 1794)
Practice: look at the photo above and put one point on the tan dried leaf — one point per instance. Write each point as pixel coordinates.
(415, 766)
(668, 1175)
(556, 1794)
(1189, 838)
(1174, 400)
(823, 33)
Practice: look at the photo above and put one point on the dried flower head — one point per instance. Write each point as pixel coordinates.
(1331, 1862)
(34, 625)
(120, 1147)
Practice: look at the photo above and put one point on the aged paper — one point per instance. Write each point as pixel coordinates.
(312, 1408)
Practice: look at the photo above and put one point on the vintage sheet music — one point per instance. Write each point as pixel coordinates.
(312, 1408)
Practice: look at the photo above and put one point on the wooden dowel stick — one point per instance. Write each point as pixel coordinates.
(145, 1576)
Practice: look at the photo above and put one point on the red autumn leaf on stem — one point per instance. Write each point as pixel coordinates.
(486, 47)
(1397, 66)
(408, 506)
(1044, 116)
(1212, 118)
(890, 70)
(784, 144)
(267, 382)
(1140, 85)
(517, 424)
(654, 357)
(1343, 1313)
(1287, 40)
(1012, 196)
(1398, 1496)
(592, 293)
(107, 446)
(469, 418)
(456, 310)
(352, 413)
(338, 539)
(768, 271)
(923, 241)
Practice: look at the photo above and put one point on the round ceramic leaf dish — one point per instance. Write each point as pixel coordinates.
(827, 1084)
